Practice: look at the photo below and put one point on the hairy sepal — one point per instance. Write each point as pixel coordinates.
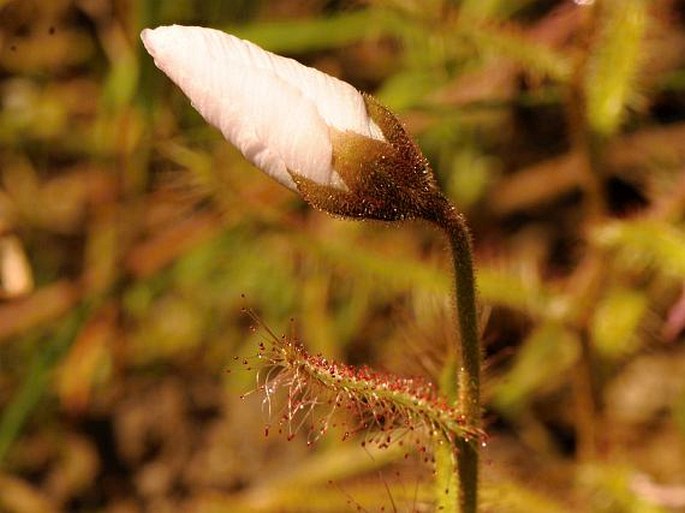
(385, 180)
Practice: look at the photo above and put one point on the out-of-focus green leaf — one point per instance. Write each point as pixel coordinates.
(398, 273)
(307, 486)
(540, 364)
(494, 286)
(613, 488)
(470, 176)
(646, 243)
(506, 288)
(480, 9)
(512, 497)
(405, 90)
(532, 56)
(37, 378)
(646, 387)
(298, 36)
(615, 320)
(611, 71)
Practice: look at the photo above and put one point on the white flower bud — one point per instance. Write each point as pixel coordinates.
(276, 111)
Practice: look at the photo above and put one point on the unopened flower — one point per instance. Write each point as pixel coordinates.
(341, 150)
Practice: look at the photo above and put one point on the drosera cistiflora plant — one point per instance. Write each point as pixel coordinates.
(304, 391)
(348, 155)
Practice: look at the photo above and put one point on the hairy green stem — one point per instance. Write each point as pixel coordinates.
(467, 373)
(446, 471)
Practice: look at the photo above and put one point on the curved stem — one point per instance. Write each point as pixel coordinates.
(467, 373)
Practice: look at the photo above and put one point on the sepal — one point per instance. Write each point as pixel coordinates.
(385, 180)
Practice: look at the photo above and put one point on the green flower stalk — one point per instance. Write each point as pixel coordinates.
(349, 156)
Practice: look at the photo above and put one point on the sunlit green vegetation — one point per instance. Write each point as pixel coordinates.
(132, 236)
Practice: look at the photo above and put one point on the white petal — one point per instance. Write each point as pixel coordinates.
(273, 109)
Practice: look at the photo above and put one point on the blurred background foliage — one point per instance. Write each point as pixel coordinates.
(130, 232)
